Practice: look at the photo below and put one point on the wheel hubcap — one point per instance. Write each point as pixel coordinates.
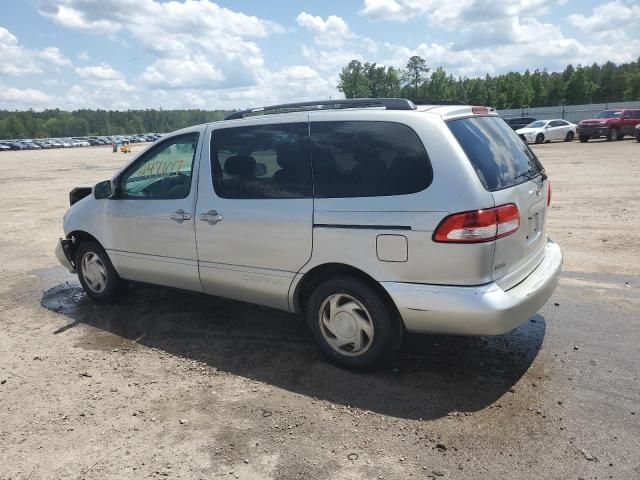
(94, 272)
(346, 324)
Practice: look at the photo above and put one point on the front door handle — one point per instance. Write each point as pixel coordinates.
(180, 215)
(212, 216)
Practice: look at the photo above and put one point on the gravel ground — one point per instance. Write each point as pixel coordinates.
(170, 384)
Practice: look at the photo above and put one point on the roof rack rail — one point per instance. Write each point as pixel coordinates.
(388, 103)
(442, 102)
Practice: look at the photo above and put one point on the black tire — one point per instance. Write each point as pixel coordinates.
(114, 287)
(540, 138)
(637, 136)
(613, 134)
(569, 137)
(583, 138)
(386, 325)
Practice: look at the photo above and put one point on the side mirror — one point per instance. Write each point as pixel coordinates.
(103, 190)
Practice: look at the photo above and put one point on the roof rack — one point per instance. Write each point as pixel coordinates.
(388, 103)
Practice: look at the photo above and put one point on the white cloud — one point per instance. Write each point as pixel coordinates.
(54, 56)
(452, 14)
(335, 45)
(180, 33)
(83, 56)
(103, 71)
(332, 32)
(16, 97)
(18, 60)
(608, 17)
(190, 72)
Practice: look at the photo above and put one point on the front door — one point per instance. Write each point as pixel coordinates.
(152, 220)
(254, 216)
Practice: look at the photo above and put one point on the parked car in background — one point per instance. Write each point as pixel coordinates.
(519, 122)
(4, 148)
(613, 124)
(14, 145)
(547, 130)
(345, 240)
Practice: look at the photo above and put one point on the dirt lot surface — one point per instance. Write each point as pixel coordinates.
(169, 384)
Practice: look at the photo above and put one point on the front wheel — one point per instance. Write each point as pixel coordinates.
(353, 326)
(569, 137)
(96, 273)
(583, 138)
(539, 138)
(613, 135)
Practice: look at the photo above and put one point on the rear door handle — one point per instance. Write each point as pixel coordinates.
(212, 216)
(180, 215)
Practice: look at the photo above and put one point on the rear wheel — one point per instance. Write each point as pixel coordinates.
(569, 137)
(353, 326)
(613, 135)
(539, 138)
(637, 135)
(583, 138)
(96, 273)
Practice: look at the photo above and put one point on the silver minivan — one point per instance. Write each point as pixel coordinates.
(367, 217)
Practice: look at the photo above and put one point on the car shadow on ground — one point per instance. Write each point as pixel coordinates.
(430, 377)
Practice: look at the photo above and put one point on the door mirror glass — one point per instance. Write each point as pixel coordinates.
(103, 189)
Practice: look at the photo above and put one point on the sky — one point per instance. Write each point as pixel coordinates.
(221, 54)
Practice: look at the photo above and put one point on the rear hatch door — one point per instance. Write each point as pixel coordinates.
(508, 168)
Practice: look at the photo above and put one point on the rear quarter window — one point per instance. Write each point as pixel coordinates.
(499, 157)
(367, 159)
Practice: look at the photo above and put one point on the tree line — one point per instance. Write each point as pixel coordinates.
(81, 123)
(573, 86)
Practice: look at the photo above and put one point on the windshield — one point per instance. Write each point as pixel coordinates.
(609, 114)
(538, 124)
(497, 154)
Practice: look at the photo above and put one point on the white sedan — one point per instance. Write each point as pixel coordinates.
(542, 131)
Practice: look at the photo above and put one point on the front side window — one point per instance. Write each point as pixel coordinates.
(163, 173)
(366, 159)
(263, 161)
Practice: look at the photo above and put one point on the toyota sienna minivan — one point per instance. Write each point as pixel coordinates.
(368, 217)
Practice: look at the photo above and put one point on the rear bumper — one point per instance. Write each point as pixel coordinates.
(483, 310)
(63, 255)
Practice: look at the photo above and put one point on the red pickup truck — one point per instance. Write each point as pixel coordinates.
(613, 124)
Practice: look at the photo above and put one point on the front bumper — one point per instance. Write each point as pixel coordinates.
(63, 254)
(528, 137)
(593, 131)
(482, 310)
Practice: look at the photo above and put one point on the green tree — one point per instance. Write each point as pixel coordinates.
(415, 74)
(353, 80)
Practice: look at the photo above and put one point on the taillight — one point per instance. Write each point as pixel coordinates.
(478, 225)
(549, 195)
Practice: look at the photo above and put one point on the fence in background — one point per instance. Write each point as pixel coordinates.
(571, 113)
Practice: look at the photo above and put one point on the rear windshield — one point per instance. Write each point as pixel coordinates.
(500, 158)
